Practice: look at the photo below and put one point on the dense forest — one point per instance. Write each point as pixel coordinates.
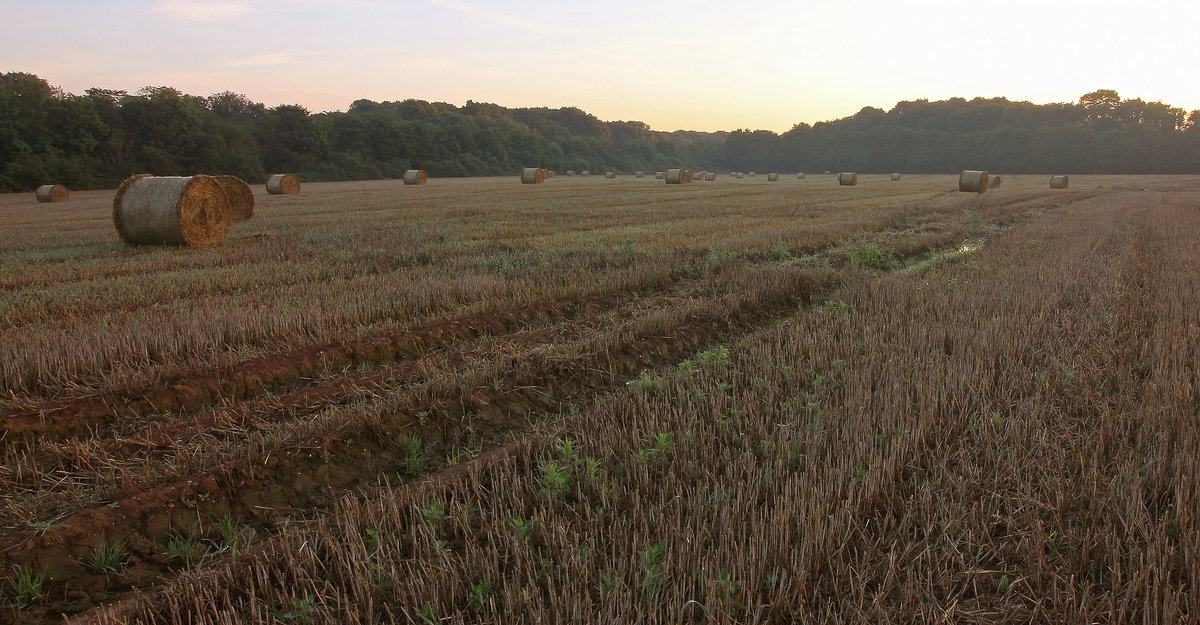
(97, 139)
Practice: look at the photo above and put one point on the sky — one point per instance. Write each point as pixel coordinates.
(695, 65)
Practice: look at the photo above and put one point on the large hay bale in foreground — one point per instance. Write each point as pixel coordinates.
(533, 175)
(772, 177)
(415, 176)
(172, 210)
(1059, 182)
(973, 180)
(995, 182)
(676, 176)
(710, 176)
(895, 176)
(848, 179)
(52, 193)
(241, 198)
(283, 184)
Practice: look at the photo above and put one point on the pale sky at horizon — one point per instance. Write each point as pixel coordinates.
(699, 65)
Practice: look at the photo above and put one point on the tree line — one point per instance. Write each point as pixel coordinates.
(97, 139)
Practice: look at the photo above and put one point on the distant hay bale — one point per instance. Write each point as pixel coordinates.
(895, 177)
(611, 175)
(52, 193)
(585, 173)
(534, 175)
(772, 177)
(710, 176)
(847, 179)
(972, 180)
(995, 181)
(283, 184)
(740, 175)
(241, 198)
(826, 172)
(752, 174)
(549, 173)
(415, 176)
(570, 172)
(171, 210)
(658, 175)
(639, 174)
(676, 176)
(800, 176)
(688, 175)
(1059, 182)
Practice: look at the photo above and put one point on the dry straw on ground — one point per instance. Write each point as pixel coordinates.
(241, 198)
(895, 176)
(973, 180)
(52, 193)
(534, 175)
(170, 210)
(415, 176)
(1059, 182)
(283, 184)
(848, 179)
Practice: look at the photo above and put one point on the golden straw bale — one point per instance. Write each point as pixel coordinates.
(847, 179)
(172, 210)
(611, 175)
(800, 176)
(772, 177)
(241, 198)
(1059, 182)
(415, 176)
(973, 180)
(52, 193)
(676, 176)
(895, 176)
(283, 184)
(710, 176)
(533, 175)
(995, 182)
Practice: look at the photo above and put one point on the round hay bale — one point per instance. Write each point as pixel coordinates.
(52, 193)
(658, 175)
(610, 175)
(710, 176)
(1059, 182)
(676, 176)
(549, 173)
(895, 177)
(283, 184)
(533, 175)
(639, 174)
(172, 210)
(570, 172)
(800, 176)
(995, 182)
(241, 198)
(690, 177)
(415, 176)
(772, 177)
(740, 175)
(826, 172)
(847, 179)
(585, 173)
(973, 180)
(752, 174)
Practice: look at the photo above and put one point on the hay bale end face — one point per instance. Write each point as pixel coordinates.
(283, 184)
(241, 198)
(772, 177)
(415, 176)
(1060, 182)
(973, 181)
(995, 181)
(533, 175)
(52, 193)
(848, 179)
(710, 176)
(170, 210)
(895, 177)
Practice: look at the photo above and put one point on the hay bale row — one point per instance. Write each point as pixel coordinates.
(533, 175)
(972, 180)
(847, 179)
(772, 177)
(283, 184)
(172, 210)
(1060, 182)
(52, 193)
(415, 176)
(895, 176)
(241, 198)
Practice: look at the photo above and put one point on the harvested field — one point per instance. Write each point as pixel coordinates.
(602, 402)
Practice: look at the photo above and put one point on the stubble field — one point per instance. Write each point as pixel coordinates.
(607, 401)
